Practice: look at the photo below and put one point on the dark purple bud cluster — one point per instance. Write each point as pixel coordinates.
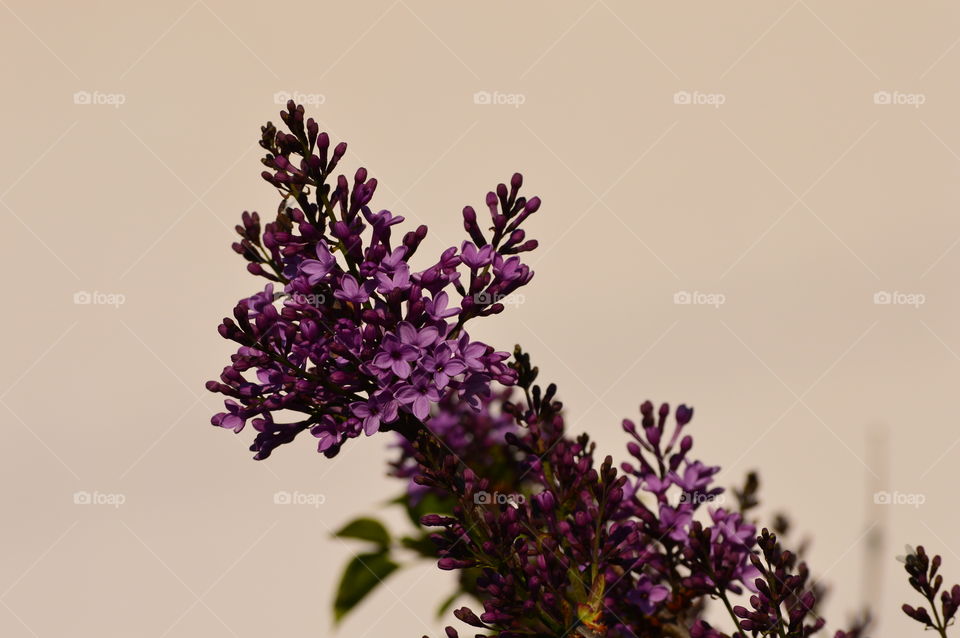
(784, 603)
(585, 549)
(357, 339)
(582, 550)
(923, 576)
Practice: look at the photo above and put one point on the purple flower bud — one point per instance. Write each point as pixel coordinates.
(466, 615)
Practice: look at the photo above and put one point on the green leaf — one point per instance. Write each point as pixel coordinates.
(430, 503)
(366, 529)
(422, 546)
(448, 603)
(361, 576)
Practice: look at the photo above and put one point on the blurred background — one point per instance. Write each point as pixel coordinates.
(748, 207)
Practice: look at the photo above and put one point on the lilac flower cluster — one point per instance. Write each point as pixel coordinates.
(351, 337)
(359, 340)
(924, 578)
(590, 550)
(715, 556)
(783, 602)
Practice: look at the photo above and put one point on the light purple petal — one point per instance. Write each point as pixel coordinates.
(454, 367)
(389, 411)
(371, 424)
(421, 407)
(407, 394)
(401, 368)
(360, 409)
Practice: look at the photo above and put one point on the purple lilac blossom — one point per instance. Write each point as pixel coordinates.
(596, 559)
(360, 341)
(357, 327)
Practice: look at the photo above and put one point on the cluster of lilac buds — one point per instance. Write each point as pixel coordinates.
(585, 549)
(924, 578)
(783, 602)
(357, 339)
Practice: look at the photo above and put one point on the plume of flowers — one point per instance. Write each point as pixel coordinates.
(348, 333)
(924, 577)
(352, 337)
(582, 550)
(581, 547)
(783, 602)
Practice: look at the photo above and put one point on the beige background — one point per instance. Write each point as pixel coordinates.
(797, 199)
